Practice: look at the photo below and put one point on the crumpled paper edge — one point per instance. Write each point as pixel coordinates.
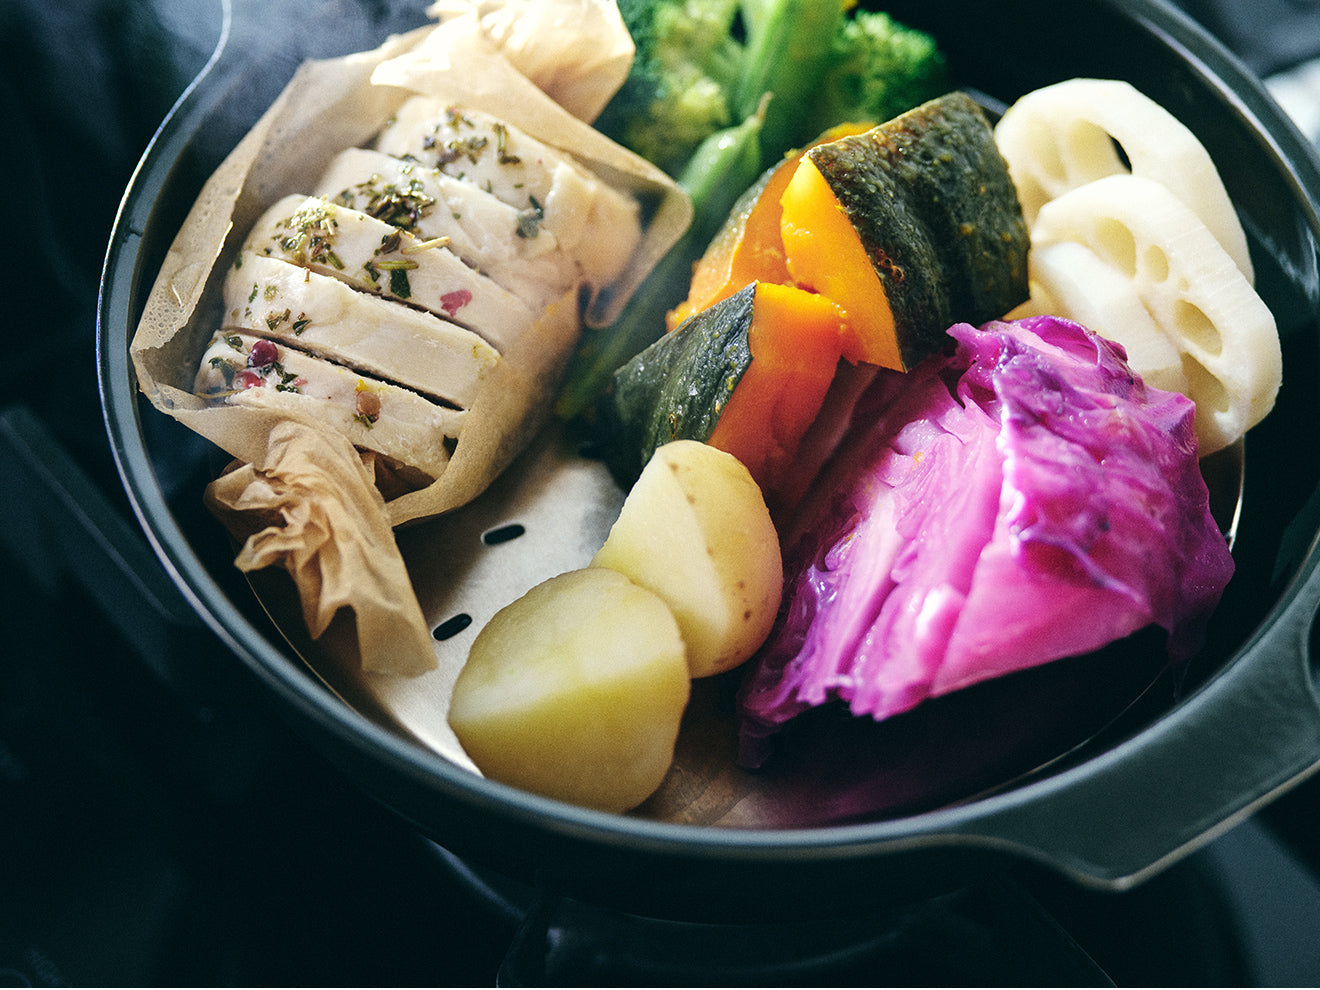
(312, 507)
(528, 33)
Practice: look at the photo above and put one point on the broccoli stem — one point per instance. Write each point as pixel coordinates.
(723, 166)
(789, 43)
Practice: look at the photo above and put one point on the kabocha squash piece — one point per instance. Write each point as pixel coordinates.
(677, 387)
(747, 375)
(749, 247)
(795, 339)
(828, 257)
(910, 227)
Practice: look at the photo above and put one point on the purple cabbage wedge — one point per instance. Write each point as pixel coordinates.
(1023, 497)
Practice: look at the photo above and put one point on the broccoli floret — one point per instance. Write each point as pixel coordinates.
(705, 65)
(879, 69)
(678, 91)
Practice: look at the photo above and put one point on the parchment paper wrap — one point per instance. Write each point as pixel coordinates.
(333, 104)
(532, 33)
(324, 523)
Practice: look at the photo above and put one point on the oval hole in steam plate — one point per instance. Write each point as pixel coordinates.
(452, 626)
(503, 534)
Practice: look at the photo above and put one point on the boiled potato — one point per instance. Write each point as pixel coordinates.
(575, 691)
(695, 530)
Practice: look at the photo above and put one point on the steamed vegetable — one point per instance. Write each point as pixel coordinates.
(1133, 235)
(677, 92)
(748, 376)
(575, 691)
(884, 238)
(908, 227)
(1063, 136)
(695, 531)
(1229, 360)
(981, 505)
(721, 91)
(879, 69)
(749, 247)
(704, 65)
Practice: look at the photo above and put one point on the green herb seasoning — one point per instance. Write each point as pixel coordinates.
(310, 236)
(273, 320)
(529, 219)
(399, 284)
(403, 206)
(226, 369)
(287, 381)
(501, 141)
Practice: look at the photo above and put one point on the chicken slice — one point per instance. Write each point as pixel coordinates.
(273, 298)
(372, 256)
(510, 245)
(241, 369)
(598, 224)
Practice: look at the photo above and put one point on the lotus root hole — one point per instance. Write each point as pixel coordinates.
(1155, 263)
(1117, 245)
(1092, 153)
(1197, 329)
(1209, 391)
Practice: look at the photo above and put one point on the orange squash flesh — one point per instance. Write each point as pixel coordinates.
(795, 346)
(749, 247)
(825, 255)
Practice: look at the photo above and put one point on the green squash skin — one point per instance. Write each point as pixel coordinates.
(933, 204)
(677, 387)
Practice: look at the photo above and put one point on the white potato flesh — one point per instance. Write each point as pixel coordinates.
(695, 530)
(575, 691)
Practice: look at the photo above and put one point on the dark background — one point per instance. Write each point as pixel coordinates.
(154, 834)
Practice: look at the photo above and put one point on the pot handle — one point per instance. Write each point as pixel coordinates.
(1244, 737)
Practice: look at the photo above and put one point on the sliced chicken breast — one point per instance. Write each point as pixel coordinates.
(512, 246)
(598, 224)
(274, 298)
(372, 256)
(243, 369)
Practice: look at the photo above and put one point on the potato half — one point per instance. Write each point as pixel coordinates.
(575, 691)
(695, 530)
